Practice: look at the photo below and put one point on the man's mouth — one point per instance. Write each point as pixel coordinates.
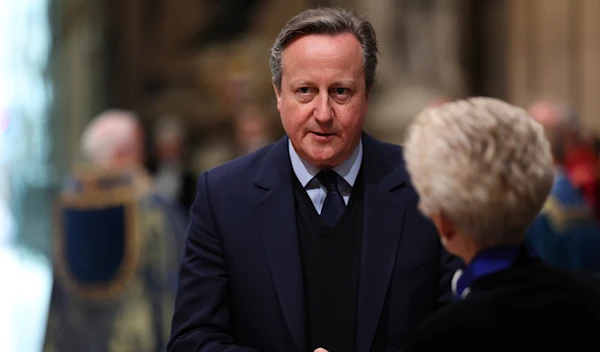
(322, 134)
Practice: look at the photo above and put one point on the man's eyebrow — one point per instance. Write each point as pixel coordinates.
(337, 83)
(343, 83)
(301, 82)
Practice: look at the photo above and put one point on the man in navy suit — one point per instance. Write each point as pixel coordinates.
(314, 241)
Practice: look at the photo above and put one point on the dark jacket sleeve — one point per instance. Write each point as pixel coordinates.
(202, 307)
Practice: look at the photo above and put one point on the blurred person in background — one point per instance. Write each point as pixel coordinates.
(252, 129)
(597, 152)
(573, 150)
(173, 180)
(483, 169)
(117, 248)
(566, 233)
(438, 101)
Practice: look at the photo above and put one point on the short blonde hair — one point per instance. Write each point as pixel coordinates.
(483, 163)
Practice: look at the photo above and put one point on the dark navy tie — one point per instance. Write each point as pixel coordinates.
(334, 205)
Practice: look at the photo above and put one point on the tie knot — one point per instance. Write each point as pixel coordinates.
(329, 179)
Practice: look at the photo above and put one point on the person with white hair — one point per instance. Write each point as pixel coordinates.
(114, 287)
(172, 178)
(114, 139)
(483, 169)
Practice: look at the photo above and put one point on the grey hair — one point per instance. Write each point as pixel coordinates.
(332, 21)
(482, 162)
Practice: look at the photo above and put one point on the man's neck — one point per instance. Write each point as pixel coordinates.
(305, 171)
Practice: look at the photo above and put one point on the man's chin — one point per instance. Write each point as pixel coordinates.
(326, 161)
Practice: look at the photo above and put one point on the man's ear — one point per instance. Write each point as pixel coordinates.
(278, 95)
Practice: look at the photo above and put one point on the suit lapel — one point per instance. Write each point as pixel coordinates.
(382, 224)
(275, 213)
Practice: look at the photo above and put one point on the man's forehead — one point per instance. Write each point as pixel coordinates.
(314, 43)
(316, 57)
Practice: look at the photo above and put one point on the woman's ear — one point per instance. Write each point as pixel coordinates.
(445, 227)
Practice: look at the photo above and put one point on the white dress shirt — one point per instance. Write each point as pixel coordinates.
(305, 172)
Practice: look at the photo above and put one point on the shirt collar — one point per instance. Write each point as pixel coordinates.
(348, 170)
(487, 262)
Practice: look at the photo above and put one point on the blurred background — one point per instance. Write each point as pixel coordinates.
(198, 70)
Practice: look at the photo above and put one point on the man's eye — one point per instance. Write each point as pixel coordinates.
(341, 91)
(303, 90)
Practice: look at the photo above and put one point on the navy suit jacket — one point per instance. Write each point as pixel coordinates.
(241, 286)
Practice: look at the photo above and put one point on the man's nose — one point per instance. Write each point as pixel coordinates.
(323, 111)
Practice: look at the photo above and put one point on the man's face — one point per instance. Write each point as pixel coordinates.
(323, 99)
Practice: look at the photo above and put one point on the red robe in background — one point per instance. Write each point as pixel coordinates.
(582, 166)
